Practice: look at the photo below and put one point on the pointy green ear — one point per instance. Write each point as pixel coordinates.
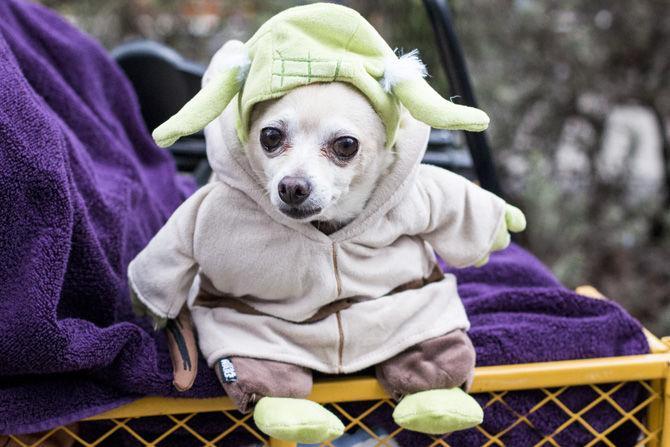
(202, 109)
(223, 80)
(426, 105)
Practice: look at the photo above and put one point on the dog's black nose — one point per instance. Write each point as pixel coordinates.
(294, 190)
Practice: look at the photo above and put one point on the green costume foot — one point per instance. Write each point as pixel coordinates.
(296, 420)
(437, 412)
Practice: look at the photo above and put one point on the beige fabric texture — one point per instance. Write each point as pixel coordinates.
(229, 239)
(231, 234)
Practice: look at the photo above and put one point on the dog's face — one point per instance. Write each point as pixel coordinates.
(319, 151)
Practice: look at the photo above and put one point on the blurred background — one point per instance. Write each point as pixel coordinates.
(579, 98)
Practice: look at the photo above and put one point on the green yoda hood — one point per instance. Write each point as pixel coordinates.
(321, 42)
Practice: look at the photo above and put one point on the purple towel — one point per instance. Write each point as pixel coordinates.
(83, 188)
(520, 313)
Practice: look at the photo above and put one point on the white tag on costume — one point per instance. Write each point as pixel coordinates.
(227, 370)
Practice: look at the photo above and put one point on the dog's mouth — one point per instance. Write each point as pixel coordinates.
(298, 212)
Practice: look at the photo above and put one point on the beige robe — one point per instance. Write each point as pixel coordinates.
(269, 279)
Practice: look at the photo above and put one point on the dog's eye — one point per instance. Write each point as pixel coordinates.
(271, 138)
(345, 147)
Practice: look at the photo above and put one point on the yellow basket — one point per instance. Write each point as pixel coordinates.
(604, 376)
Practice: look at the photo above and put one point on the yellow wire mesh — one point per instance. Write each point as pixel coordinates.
(594, 414)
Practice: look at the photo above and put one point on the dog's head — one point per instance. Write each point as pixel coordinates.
(319, 150)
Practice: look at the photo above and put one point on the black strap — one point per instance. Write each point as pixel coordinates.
(454, 65)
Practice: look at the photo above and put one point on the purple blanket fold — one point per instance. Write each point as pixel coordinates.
(82, 190)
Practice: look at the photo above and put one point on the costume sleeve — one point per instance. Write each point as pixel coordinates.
(462, 219)
(162, 273)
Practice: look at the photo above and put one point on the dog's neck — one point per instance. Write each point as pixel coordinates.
(328, 227)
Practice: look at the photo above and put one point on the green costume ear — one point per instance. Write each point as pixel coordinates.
(231, 65)
(200, 110)
(403, 76)
(426, 105)
(321, 42)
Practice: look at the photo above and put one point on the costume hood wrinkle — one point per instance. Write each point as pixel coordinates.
(231, 165)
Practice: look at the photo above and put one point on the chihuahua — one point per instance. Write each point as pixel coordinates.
(320, 151)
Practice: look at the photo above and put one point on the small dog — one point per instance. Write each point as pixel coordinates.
(314, 246)
(320, 150)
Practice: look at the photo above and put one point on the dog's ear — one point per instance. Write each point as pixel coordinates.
(404, 77)
(223, 80)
